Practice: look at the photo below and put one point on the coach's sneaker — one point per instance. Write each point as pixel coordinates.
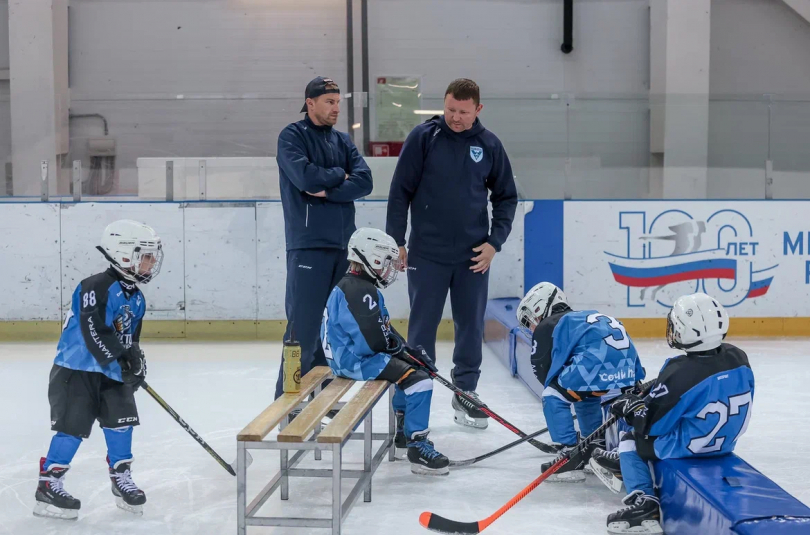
(127, 494)
(570, 472)
(424, 458)
(642, 516)
(607, 467)
(400, 442)
(53, 501)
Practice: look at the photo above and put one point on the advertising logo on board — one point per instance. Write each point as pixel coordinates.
(672, 253)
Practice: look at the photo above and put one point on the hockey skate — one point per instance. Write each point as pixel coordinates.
(400, 442)
(424, 458)
(53, 501)
(642, 516)
(605, 465)
(127, 494)
(571, 472)
(468, 414)
(596, 444)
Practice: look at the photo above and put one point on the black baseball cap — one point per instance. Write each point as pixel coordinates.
(317, 87)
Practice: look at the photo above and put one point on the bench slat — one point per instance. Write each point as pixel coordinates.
(314, 412)
(343, 424)
(270, 417)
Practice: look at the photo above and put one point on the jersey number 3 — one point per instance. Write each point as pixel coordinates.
(617, 340)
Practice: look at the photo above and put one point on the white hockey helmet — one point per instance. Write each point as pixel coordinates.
(697, 322)
(537, 304)
(378, 253)
(133, 249)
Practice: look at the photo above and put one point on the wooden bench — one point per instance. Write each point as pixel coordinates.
(306, 433)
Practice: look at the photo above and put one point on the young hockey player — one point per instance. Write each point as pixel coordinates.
(578, 356)
(98, 367)
(360, 344)
(677, 419)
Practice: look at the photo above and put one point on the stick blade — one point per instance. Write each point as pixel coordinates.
(440, 524)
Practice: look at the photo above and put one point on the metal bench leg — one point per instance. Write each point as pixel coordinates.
(285, 475)
(318, 427)
(337, 509)
(392, 424)
(241, 489)
(367, 454)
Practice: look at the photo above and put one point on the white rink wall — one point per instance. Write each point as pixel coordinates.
(223, 260)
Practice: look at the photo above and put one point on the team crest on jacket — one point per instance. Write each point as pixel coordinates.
(476, 153)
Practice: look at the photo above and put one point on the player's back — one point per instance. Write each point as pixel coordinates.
(701, 403)
(102, 312)
(596, 351)
(354, 326)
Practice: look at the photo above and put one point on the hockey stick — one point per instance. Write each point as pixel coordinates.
(190, 431)
(467, 462)
(477, 404)
(440, 524)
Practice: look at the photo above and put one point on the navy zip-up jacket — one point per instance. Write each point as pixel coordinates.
(443, 177)
(312, 159)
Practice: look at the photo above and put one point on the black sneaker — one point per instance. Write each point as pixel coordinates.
(127, 494)
(642, 516)
(53, 501)
(424, 458)
(400, 442)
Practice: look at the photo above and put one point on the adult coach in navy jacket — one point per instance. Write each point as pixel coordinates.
(321, 174)
(446, 168)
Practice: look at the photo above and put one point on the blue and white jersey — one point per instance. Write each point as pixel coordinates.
(585, 351)
(355, 329)
(701, 404)
(104, 320)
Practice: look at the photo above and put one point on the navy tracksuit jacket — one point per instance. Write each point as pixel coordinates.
(444, 178)
(312, 159)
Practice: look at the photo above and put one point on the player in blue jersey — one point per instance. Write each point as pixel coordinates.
(699, 406)
(360, 344)
(98, 367)
(578, 356)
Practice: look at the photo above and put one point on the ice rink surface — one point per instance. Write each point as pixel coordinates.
(219, 387)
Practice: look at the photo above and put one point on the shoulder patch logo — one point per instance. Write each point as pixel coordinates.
(477, 154)
(659, 391)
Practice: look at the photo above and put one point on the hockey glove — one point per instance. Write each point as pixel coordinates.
(630, 407)
(423, 356)
(133, 366)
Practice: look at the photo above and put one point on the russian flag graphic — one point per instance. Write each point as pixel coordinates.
(649, 272)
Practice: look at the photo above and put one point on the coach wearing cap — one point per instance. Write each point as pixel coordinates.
(321, 174)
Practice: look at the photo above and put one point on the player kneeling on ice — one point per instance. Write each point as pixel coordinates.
(578, 356)
(677, 419)
(98, 368)
(360, 344)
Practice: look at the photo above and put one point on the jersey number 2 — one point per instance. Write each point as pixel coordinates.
(618, 340)
(735, 403)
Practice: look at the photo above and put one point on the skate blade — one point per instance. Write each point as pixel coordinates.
(420, 470)
(134, 509)
(613, 483)
(650, 527)
(46, 510)
(462, 419)
(574, 476)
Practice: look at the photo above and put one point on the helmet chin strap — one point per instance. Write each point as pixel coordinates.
(371, 271)
(124, 273)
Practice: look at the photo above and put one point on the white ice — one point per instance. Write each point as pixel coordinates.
(219, 387)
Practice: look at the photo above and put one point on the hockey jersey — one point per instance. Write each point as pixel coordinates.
(355, 329)
(585, 351)
(700, 404)
(104, 320)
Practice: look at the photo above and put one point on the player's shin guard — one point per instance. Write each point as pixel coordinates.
(119, 444)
